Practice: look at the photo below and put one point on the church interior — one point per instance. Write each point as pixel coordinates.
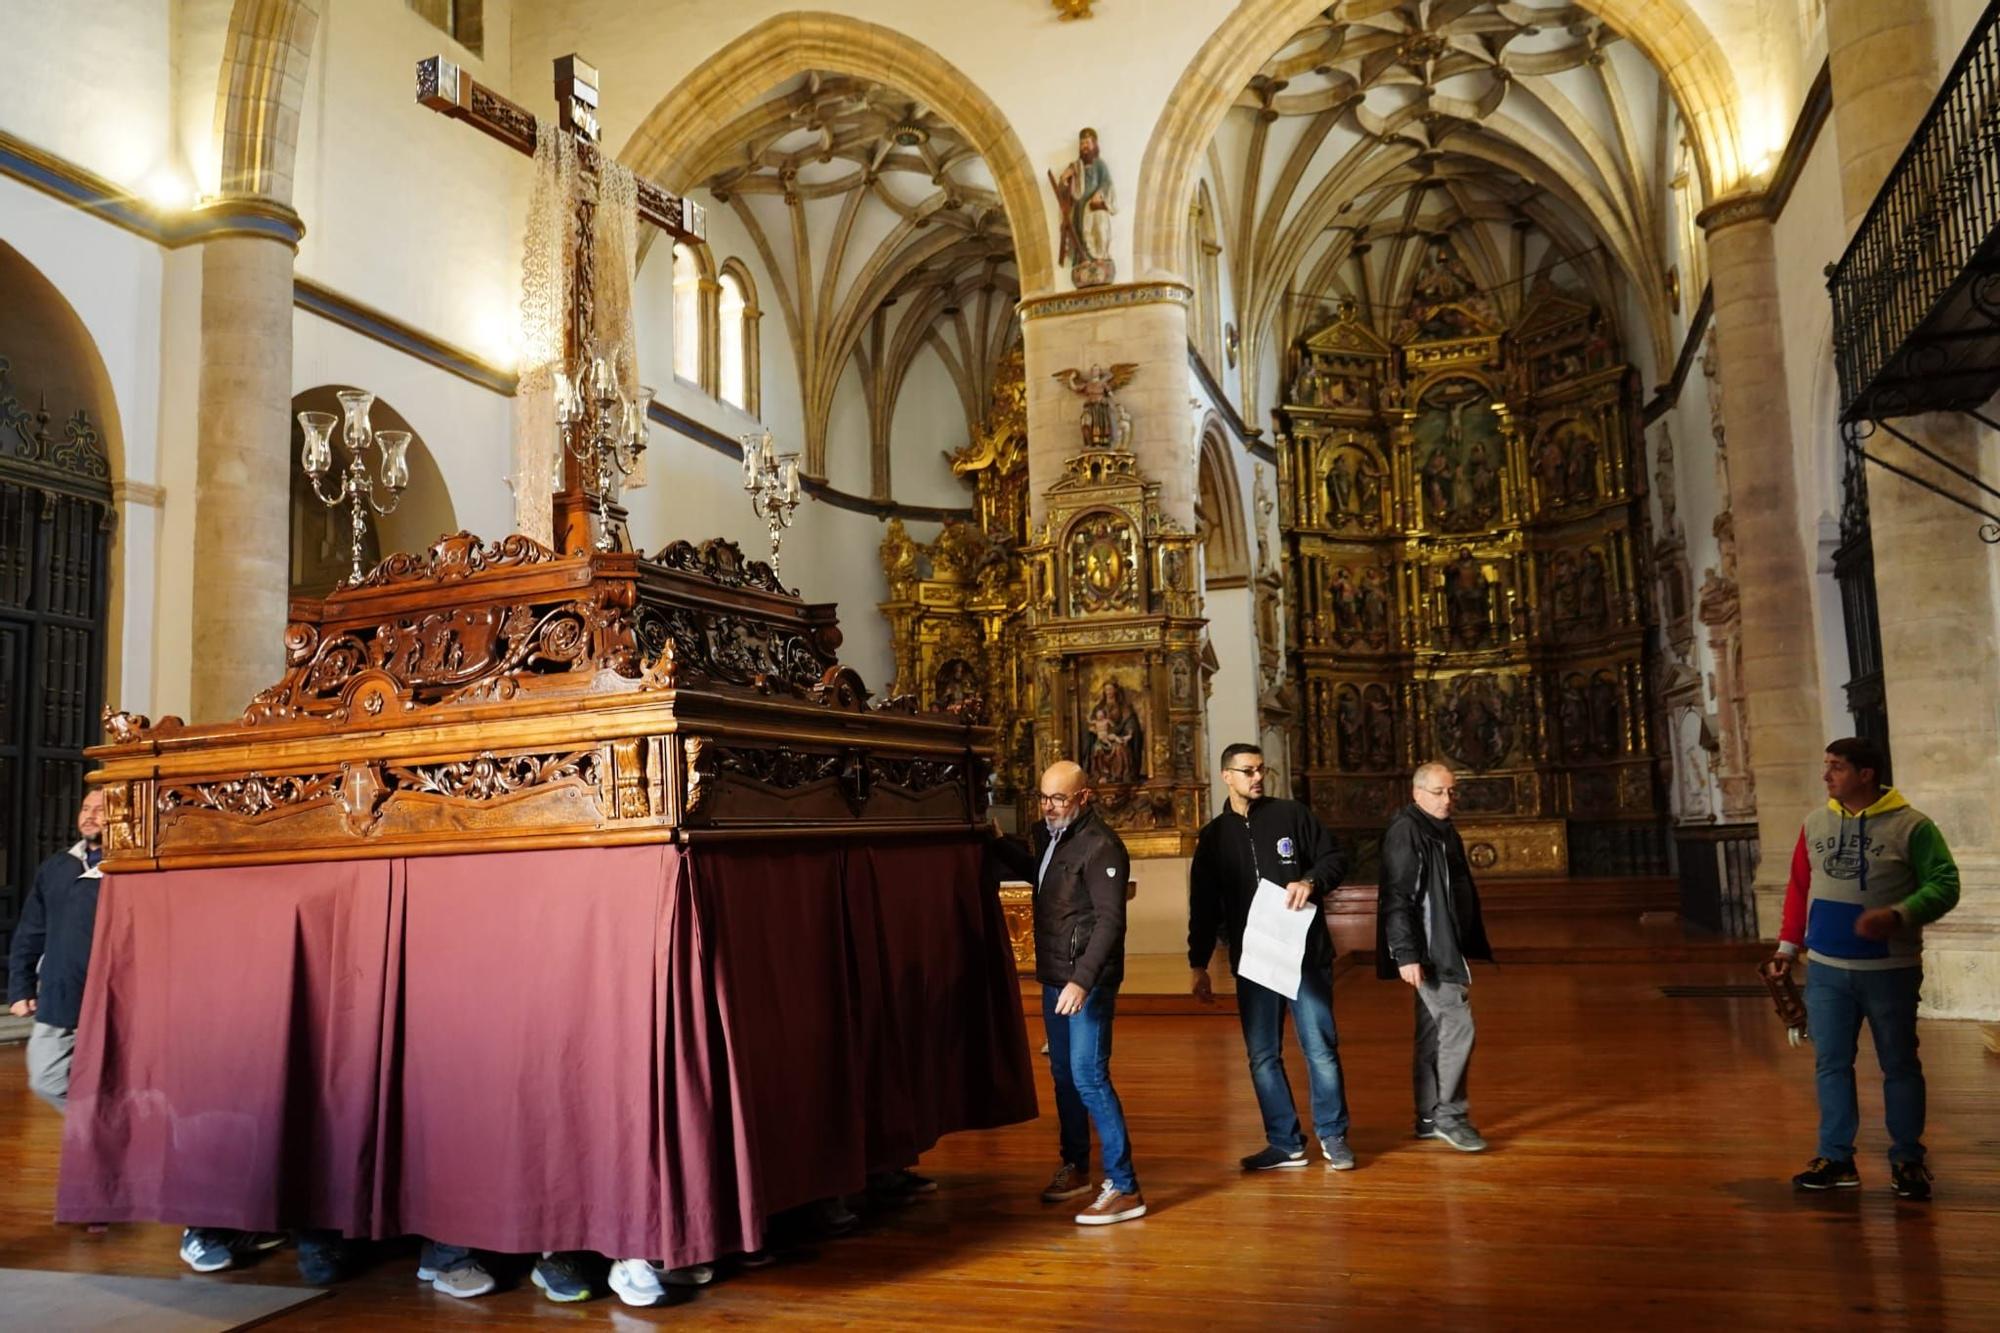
(546, 809)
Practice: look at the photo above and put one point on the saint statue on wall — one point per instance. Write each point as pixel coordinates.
(1101, 421)
(1087, 203)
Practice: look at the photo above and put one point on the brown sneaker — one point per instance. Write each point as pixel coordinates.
(1067, 1183)
(1112, 1206)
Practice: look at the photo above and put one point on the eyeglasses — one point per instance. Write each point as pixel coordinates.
(1257, 770)
(1440, 791)
(1054, 798)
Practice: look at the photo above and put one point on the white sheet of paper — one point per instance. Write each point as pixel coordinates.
(1274, 940)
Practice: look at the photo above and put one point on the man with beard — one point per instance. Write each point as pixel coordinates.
(1079, 868)
(1084, 191)
(51, 953)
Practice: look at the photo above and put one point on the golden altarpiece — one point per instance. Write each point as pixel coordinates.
(1083, 634)
(1464, 528)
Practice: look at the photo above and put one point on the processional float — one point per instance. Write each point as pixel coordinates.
(558, 896)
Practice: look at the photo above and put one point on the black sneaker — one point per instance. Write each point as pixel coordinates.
(1425, 1129)
(1459, 1134)
(1274, 1159)
(322, 1258)
(1910, 1180)
(563, 1277)
(1823, 1173)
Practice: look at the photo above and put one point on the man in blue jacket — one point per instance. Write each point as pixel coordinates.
(1259, 837)
(51, 953)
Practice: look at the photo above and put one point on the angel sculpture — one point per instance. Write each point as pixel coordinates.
(1104, 423)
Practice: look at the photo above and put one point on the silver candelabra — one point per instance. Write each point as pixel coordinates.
(603, 425)
(772, 479)
(357, 488)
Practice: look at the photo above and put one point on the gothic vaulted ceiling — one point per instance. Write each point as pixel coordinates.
(885, 236)
(1524, 130)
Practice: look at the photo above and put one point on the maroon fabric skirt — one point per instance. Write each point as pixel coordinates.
(643, 1051)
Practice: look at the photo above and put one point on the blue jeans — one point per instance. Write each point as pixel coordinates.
(441, 1257)
(1080, 1060)
(1263, 1016)
(1837, 999)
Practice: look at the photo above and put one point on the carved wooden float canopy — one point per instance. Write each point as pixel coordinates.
(481, 696)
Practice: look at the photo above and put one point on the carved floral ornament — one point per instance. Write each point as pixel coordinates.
(367, 786)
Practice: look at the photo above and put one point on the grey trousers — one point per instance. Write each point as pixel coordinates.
(1444, 1049)
(49, 1051)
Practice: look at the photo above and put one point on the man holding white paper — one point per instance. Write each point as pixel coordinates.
(1258, 848)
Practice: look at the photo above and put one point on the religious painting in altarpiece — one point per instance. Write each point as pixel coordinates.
(1464, 528)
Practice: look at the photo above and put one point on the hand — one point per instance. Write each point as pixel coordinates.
(1297, 894)
(1071, 1000)
(1776, 966)
(1412, 973)
(1879, 924)
(21, 1008)
(1202, 989)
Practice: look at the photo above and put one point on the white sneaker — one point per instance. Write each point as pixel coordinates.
(637, 1282)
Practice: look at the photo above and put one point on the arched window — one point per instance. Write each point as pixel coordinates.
(729, 324)
(687, 315)
(739, 361)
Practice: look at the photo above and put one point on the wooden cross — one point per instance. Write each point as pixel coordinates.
(444, 87)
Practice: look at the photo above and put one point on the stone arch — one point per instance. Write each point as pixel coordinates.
(61, 552)
(258, 95)
(667, 142)
(1219, 506)
(53, 356)
(1670, 33)
(319, 533)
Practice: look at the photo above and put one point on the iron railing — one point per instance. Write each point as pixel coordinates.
(1916, 296)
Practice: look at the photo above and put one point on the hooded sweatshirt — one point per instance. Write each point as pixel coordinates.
(1889, 855)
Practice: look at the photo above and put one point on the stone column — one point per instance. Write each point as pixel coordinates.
(1144, 323)
(242, 492)
(1933, 576)
(1780, 679)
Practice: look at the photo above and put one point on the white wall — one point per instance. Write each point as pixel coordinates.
(930, 423)
(413, 214)
(92, 83)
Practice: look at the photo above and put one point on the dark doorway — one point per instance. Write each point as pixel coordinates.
(55, 546)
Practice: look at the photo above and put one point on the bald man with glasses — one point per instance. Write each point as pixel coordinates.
(1427, 927)
(1079, 868)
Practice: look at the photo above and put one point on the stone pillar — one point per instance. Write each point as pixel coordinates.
(1780, 667)
(1933, 576)
(242, 464)
(1143, 323)
(1146, 324)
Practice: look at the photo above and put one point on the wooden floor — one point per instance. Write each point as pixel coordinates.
(1638, 1177)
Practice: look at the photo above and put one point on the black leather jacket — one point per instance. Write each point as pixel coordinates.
(1415, 863)
(1079, 904)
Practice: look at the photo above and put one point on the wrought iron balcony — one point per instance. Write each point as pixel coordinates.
(1916, 296)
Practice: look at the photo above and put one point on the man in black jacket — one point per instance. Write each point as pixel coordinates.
(51, 953)
(1079, 869)
(1427, 925)
(1259, 837)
